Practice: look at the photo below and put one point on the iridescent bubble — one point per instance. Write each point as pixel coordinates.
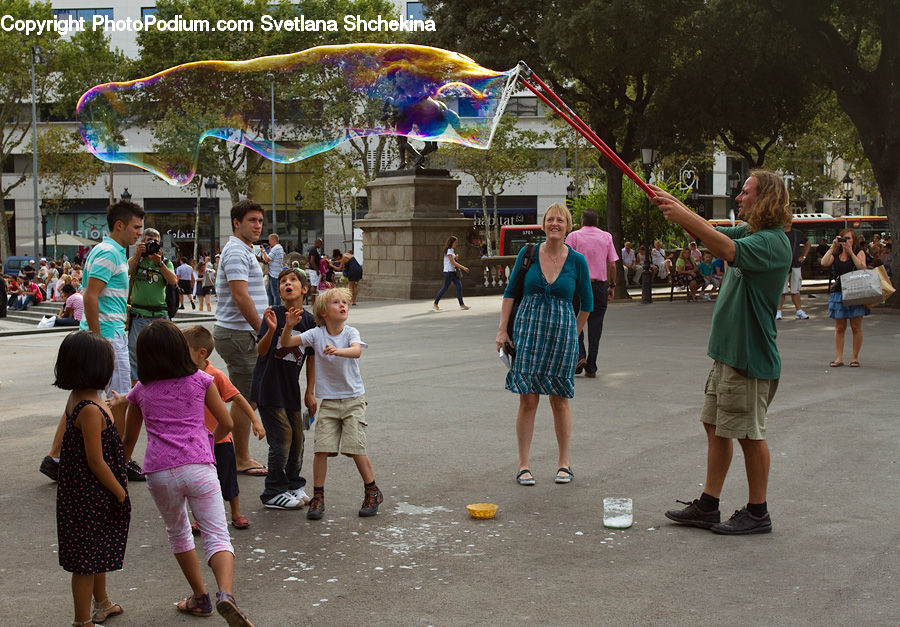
(324, 96)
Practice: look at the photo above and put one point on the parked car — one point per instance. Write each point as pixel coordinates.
(14, 264)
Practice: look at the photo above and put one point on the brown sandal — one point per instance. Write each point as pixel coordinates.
(854, 364)
(198, 606)
(836, 364)
(105, 609)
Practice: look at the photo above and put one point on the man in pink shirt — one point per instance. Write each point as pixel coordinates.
(598, 248)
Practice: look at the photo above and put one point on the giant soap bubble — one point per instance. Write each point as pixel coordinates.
(323, 97)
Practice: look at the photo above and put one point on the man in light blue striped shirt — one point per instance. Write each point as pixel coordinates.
(242, 303)
(105, 287)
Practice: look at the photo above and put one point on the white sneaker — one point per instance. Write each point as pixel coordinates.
(285, 500)
(706, 296)
(802, 315)
(300, 494)
(778, 315)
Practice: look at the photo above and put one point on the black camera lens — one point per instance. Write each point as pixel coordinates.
(842, 239)
(152, 248)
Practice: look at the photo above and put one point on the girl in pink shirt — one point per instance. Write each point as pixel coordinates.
(169, 400)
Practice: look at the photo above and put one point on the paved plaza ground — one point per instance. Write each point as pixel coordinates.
(441, 435)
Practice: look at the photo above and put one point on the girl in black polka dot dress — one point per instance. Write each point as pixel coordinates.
(92, 506)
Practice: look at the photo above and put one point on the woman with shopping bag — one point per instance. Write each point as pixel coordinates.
(845, 256)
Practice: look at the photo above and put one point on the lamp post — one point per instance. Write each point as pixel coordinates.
(272, 136)
(298, 202)
(648, 157)
(36, 58)
(570, 194)
(212, 191)
(44, 210)
(847, 184)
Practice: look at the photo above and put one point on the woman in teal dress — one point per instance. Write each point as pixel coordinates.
(545, 336)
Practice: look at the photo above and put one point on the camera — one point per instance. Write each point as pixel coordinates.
(842, 239)
(151, 248)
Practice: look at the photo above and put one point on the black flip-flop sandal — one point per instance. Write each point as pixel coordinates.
(525, 481)
(566, 477)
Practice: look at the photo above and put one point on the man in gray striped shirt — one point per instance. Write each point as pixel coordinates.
(242, 302)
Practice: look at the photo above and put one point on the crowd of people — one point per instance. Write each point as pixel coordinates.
(691, 268)
(157, 377)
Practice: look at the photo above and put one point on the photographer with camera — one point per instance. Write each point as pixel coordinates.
(149, 273)
(845, 255)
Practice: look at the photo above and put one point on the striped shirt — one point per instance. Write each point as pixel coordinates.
(238, 263)
(108, 262)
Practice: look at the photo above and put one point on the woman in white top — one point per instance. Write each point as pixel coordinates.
(450, 267)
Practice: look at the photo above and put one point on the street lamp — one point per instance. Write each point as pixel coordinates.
(298, 202)
(734, 182)
(847, 184)
(125, 195)
(45, 209)
(648, 157)
(271, 77)
(36, 58)
(570, 193)
(212, 191)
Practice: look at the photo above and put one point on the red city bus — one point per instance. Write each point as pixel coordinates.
(819, 225)
(514, 237)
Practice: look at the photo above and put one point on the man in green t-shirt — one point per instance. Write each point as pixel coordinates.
(149, 275)
(746, 366)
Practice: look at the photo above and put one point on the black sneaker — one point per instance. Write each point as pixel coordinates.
(50, 468)
(371, 502)
(134, 471)
(316, 507)
(694, 516)
(742, 522)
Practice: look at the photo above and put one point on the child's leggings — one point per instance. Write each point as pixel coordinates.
(198, 485)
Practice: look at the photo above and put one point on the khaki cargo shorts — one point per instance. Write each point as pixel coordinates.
(341, 426)
(737, 404)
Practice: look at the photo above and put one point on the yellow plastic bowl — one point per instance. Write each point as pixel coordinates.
(482, 510)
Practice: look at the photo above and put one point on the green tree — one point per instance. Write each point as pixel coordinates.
(65, 170)
(81, 61)
(613, 60)
(856, 53)
(336, 188)
(15, 94)
(307, 101)
(512, 156)
(809, 160)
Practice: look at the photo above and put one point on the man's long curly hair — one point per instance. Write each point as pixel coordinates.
(773, 204)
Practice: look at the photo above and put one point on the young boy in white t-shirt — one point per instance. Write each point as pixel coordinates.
(341, 423)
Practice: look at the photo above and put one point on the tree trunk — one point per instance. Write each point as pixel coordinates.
(197, 220)
(496, 227)
(487, 225)
(5, 249)
(614, 220)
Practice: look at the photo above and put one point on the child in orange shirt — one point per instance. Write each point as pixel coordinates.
(201, 344)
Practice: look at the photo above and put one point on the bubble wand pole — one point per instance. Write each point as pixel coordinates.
(567, 114)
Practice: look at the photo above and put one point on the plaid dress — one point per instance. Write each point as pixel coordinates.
(544, 330)
(546, 347)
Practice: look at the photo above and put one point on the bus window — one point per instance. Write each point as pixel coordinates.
(513, 238)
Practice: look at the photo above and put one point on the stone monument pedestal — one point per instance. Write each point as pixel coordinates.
(411, 215)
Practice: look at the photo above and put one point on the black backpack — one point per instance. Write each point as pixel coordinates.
(171, 300)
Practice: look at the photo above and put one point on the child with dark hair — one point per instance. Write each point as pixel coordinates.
(276, 390)
(179, 464)
(201, 344)
(92, 506)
